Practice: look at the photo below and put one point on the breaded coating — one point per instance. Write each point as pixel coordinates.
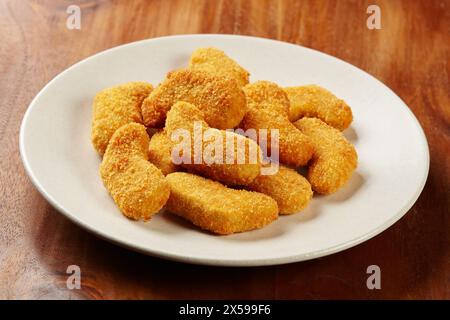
(268, 109)
(243, 153)
(138, 188)
(266, 93)
(159, 153)
(214, 207)
(295, 148)
(287, 187)
(215, 61)
(316, 102)
(334, 158)
(115, 107)
(221, 99)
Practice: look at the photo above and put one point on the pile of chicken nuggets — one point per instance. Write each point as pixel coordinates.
(133, 126)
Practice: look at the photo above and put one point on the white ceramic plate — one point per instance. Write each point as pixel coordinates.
(392, 149)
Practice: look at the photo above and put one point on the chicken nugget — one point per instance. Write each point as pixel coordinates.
(268, 108)
(115, 107)
(159, 153)
(215, 61)
(287, 187)
(217, 154)
(221, 99)
(214, 207)
(295, 148)
(269, 94)
(334, 158)
(138, 188)
(316, 102)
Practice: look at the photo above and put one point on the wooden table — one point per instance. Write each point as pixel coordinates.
(410, 54)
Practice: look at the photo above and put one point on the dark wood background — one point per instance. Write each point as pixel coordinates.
(410, 54)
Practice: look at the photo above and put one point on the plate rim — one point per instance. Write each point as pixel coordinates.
(247, 262)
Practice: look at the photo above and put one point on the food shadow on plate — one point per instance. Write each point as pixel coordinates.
(346, 192)
(269, 232)
(169, 223)
(351, 135)
(172, 218)
(281, 225)
(179, 62)
(309, 213)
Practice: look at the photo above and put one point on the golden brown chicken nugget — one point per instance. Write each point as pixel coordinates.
(316, 102)
(294, 148)
(215, 61)
(115, 107)
(287, 187)
(221, 99)
(214, 207)
(261, 94)
(268, 108)
(236, 161)
(159, 153)
(334, 158)
(138, 188)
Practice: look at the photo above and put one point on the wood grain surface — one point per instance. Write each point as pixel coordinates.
(410, 54)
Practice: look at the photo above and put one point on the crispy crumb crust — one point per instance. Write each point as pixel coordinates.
(182, 116)
(287, 187)
(115, 107)
(316, 102)
(334, 158)
(265, 93)
(295, 148)
(221, 99)
(215, 61)
(216, 208)
(138, 188)
(268, 108)
(159, 153)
